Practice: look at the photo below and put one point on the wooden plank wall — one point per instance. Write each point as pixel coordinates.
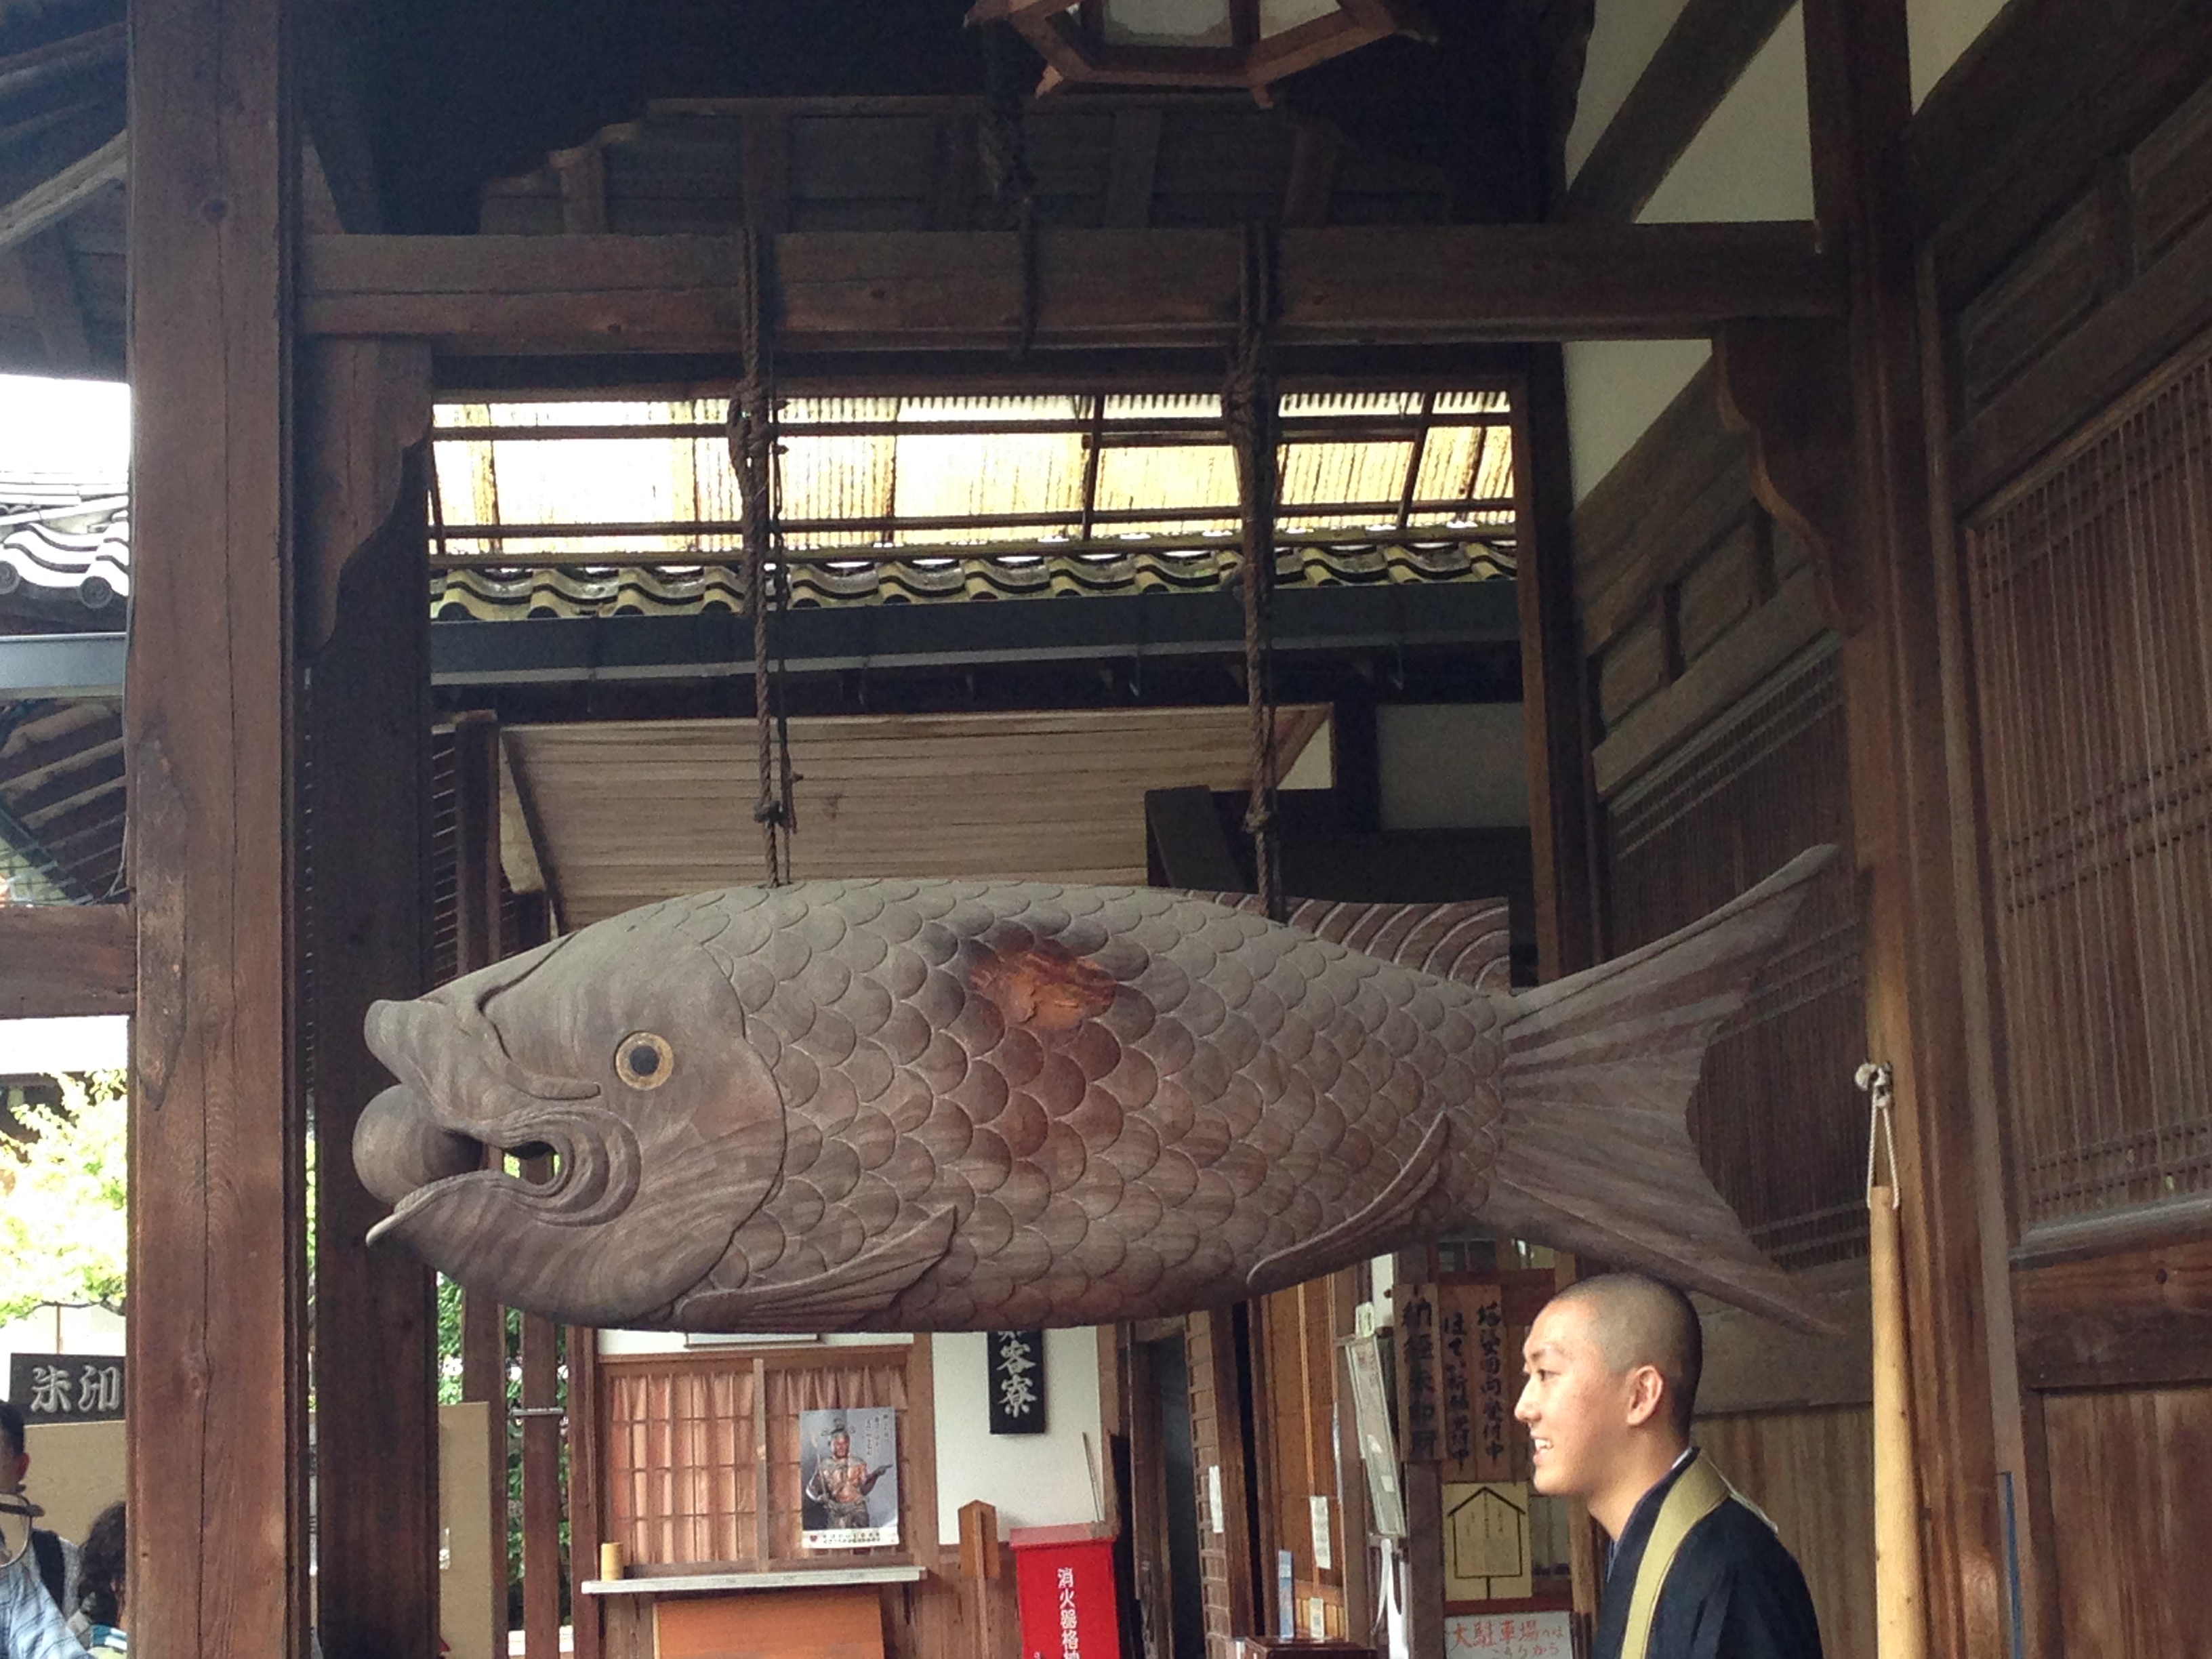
(2130, 1474)
(2062, 178)
(1812, 1471)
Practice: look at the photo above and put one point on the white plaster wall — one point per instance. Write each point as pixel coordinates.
(1939, 31)
(1031, 1479)
(1453, 766)
(1615, 389)
(1753, 160)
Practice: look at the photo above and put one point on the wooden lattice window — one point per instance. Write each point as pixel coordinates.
(700, 1477)
(2090, 600)
(1776, 1117)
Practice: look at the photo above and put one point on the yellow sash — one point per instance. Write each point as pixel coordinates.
(1697, 1492)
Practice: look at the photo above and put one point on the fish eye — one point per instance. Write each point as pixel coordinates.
(644, 1061)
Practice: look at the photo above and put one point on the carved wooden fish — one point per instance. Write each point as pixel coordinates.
(962, 1105)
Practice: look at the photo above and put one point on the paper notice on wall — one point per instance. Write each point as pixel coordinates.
(1510, 1636)
(1214, 1496)
(1322, 1561)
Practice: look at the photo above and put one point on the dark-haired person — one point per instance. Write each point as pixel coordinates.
(104, 1560)
(35, 1584)
(1696, 1572)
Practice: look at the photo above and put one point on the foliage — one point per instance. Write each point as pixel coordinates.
(64, 1237)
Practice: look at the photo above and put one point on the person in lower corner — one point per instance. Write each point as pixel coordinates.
(104, 1560)
(1696, 1571)
(38, 1572)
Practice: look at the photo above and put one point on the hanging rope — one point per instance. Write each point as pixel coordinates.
(1249, 411)
(752, 457)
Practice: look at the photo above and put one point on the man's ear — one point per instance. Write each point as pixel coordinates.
(1646, 1395)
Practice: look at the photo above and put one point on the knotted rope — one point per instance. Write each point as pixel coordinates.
(751, 435)
(1248, 410)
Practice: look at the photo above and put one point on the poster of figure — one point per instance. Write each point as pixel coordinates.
(848, 1478)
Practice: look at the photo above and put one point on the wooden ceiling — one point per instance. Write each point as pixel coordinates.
(626, 813)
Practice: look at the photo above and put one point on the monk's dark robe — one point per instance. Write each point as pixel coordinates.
(1734, 1591)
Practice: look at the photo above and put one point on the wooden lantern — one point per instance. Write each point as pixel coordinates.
(1250, 43)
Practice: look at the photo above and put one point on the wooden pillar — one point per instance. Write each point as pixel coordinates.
(365, 785)
(1554, 684)
(541, 1418)
(1563, 806)
(1902, 802)
(217, 1394)
(585, 1479)
(1424, 1543)
(478, 945)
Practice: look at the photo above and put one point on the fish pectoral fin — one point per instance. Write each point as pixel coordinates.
(1382, 1217)
(831, 1300)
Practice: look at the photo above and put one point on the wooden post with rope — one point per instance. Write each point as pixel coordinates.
(752, 441)
(1249, 410)
(1900, 1621)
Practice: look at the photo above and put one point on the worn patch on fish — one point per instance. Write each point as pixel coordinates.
(1039, 983)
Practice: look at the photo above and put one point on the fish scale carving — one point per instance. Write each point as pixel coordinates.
(958, 1105)
(1207, 1046)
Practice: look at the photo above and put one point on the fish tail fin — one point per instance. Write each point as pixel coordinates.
(1594, 1153)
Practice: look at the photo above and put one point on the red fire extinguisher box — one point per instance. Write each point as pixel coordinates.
(1064, 1578)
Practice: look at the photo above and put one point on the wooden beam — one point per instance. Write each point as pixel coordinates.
(54, 302)
(368, 871)
(583, 172)
(54, 200)
(1314, 155)
(369, 406)
(1906, 808)
(216, 1390)
(764, 158)
(1786, 387)
(1702, 57)
(67, 961)
(587, 1449)
(936, 291)
(478, 945)
(26, 71)
(2141, 1319)
(521, 844)
(1554, 684)
(334, 55)
(1133, 166)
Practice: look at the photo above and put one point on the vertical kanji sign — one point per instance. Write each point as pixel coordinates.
(1014, 1371)
(1420, 1380)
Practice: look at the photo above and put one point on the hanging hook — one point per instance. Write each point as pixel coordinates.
(1877, 1082)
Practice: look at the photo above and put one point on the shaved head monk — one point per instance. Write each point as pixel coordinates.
(1696, 1572)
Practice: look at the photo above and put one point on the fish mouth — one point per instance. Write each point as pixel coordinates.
(579, 1167)
(470, 1142)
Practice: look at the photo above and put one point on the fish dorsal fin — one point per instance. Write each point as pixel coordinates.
(1467, 940)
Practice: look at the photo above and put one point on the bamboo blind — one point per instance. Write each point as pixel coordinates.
(1775, 1116)
(699, 1476)
(2090, 600)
